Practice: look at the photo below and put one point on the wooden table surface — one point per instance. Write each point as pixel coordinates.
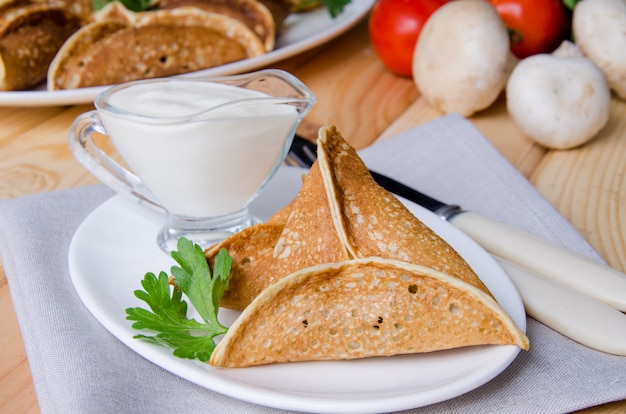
(587, 185)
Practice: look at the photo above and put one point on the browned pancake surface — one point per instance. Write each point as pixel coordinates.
(309, 237)
(299, 235)
(373, 222)
(31, 33)
(340, 213)
(251, 12)
(363, 308)
(353, 274)
(155, 44)
(252, 254)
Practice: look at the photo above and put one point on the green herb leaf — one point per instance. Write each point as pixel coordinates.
(335, 7)
(167, 316)
(194, 278)
(134, 5)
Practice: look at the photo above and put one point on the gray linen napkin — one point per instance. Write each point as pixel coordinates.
(79, 367)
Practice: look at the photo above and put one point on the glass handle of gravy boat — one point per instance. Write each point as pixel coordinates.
(101, 165)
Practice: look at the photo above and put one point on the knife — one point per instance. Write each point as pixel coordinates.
(573, 314)
(551, 261)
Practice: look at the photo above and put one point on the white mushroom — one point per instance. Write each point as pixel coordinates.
(559, 101)
(461, 60)
(600, 32)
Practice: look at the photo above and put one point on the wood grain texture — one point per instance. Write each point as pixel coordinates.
(588, 186)
(367, 103)
(37, 157)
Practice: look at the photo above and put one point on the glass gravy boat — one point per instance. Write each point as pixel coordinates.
(200, 149)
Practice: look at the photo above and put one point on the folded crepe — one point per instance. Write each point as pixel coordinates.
(252, 255)
(31, 33)
(373, 222)
(250, 12)
(340, 213)
(300, 235)
(363, 308)
(347, 271)
(152, 44)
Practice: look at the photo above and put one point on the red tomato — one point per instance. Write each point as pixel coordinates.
(394, 27)
(535, 26)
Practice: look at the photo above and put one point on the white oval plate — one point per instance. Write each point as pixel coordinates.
(300, 32)
(116, 245)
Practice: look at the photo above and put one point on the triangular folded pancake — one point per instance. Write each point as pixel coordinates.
(309, 236)
(31, 33)
(346, 271)
(252, 253)
(373, 222)
(363, 308)
(340, 213)
(152, 44)
(300, 235)
(251, 12)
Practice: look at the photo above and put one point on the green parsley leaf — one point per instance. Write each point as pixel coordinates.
(168, 311)
(335, 7)
(194, 278)
(134, 5)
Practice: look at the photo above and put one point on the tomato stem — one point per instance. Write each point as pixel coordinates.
(570, 4)
(515, 35)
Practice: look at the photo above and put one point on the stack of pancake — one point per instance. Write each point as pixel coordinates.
(346, 271)
(71, 46)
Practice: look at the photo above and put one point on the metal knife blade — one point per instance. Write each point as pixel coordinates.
(598, 281)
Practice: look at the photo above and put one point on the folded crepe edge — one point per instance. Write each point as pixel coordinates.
(227, 349)
(252, 13)
(331, 190)
(361, 231)
(89, 35)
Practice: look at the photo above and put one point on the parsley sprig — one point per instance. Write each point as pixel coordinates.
(335, 7)
(168, 315)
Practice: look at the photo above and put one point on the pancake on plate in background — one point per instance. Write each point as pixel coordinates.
(31, 33)
(122, 46)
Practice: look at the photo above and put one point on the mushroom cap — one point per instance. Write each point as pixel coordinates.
(461, 60)
(600, 31)
(560, 102)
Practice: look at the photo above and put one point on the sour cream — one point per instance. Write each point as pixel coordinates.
(203, 149)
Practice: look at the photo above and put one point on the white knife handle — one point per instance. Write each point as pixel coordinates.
(577, 316)
(549, 260)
